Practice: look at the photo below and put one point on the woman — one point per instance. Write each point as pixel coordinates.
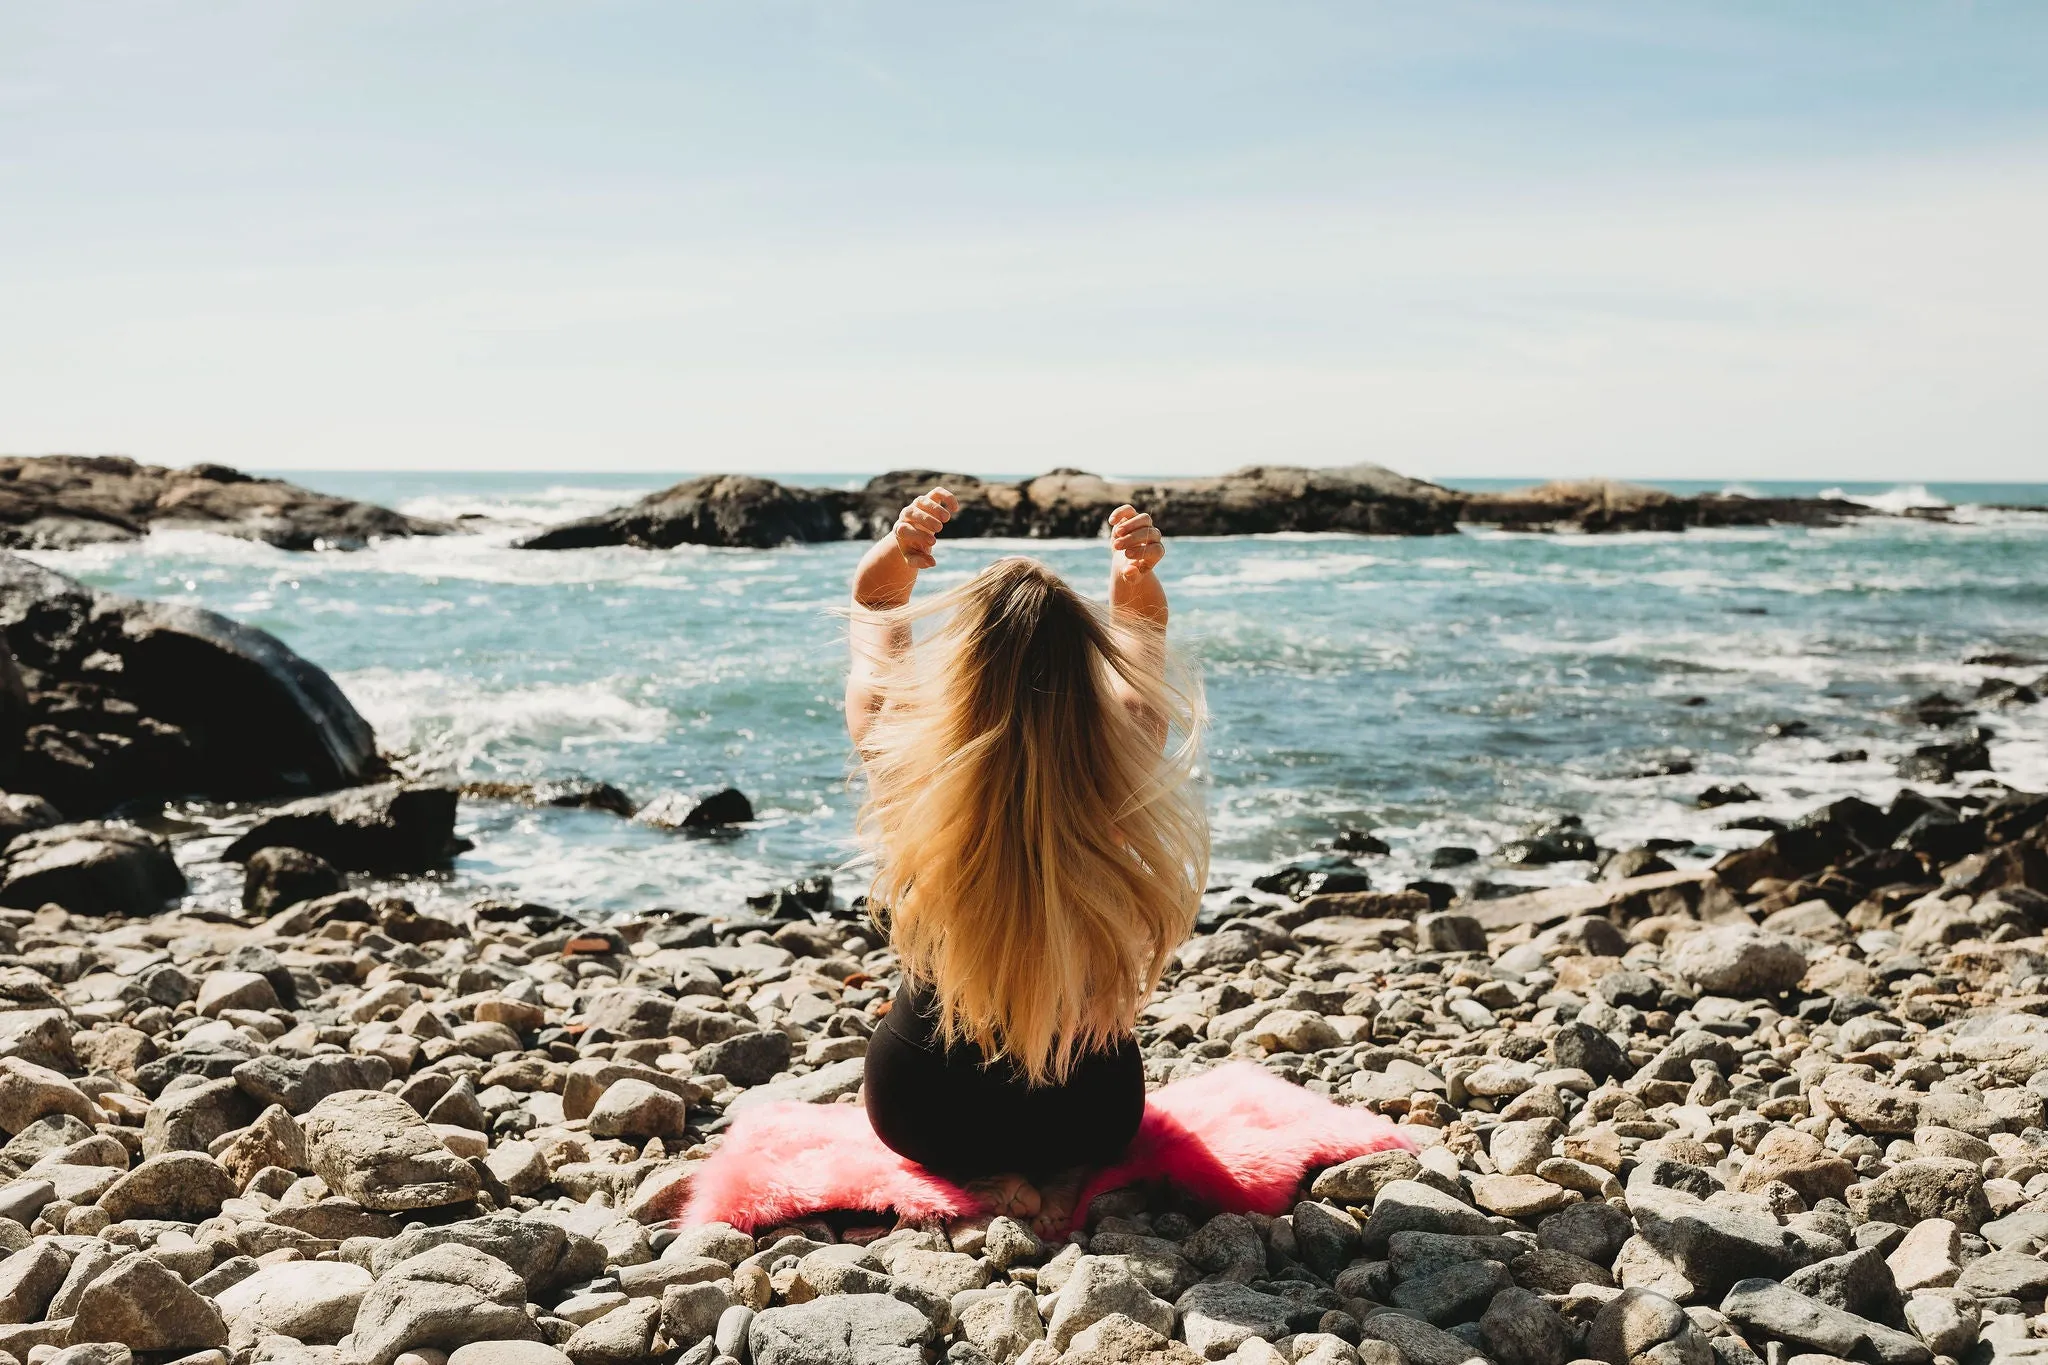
(1039, 849)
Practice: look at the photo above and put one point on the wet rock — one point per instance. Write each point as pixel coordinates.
(141, 700)
(96, 868)
(705, 810)
(389, 829)
(279, 877)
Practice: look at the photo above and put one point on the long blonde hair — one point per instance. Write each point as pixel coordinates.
(1040, 848)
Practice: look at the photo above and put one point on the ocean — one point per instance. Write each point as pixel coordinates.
(1437, 692)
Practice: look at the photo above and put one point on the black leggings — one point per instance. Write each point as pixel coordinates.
(952, 1114)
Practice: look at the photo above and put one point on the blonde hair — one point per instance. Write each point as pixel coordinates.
(1040, 848)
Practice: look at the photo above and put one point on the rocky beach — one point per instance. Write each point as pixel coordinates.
(278, 1086)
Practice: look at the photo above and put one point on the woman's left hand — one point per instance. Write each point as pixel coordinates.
(1134, 542)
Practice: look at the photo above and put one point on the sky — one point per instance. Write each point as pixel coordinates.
(1534, 239)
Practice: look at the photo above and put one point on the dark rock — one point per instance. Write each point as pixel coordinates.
(1944, 762)
(94, 868)
(1326, 874)
(1941, 836)
(1559, 841)
(1634, 862)
(132, 700)
(1453, 855)
(1457, 1293)
(1713, 1247)
(387, 829)
(1734, 794)
(698, 811)
(1859, 1283)
(279, 877)
(21, 814)
(1606, 505)
(1585, 1047)
(811, 896)
(1519, 1328)
(746, 1058)
(56, 502)
(741, 511)
(1359, 841)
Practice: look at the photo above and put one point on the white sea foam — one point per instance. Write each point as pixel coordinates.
(1903, 498)
(459, 725)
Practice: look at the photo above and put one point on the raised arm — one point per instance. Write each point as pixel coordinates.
(882, 582)
(1137, 597)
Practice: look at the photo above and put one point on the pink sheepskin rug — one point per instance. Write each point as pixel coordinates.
(1237, 1138)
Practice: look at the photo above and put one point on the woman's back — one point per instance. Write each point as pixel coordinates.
(1039, 848)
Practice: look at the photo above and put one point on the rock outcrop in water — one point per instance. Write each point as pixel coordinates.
(1607, 505)
(737, 510)
(106, 699)
(741, 511)
(63, 501)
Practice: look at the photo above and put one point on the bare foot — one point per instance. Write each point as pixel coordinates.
(1056, 1199)
(1008, 1194)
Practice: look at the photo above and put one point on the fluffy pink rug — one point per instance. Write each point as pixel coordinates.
(1237, 1137)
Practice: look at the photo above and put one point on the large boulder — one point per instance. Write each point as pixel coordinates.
(124, 699)
(94, 868)
(717, 509)
(387, 829)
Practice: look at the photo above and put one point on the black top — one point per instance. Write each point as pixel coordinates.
(950, 1111)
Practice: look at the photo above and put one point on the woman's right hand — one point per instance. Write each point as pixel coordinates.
(918, 526)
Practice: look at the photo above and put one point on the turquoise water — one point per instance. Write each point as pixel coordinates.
(1438, 691)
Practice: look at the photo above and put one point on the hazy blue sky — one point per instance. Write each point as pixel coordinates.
(1656, 239)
